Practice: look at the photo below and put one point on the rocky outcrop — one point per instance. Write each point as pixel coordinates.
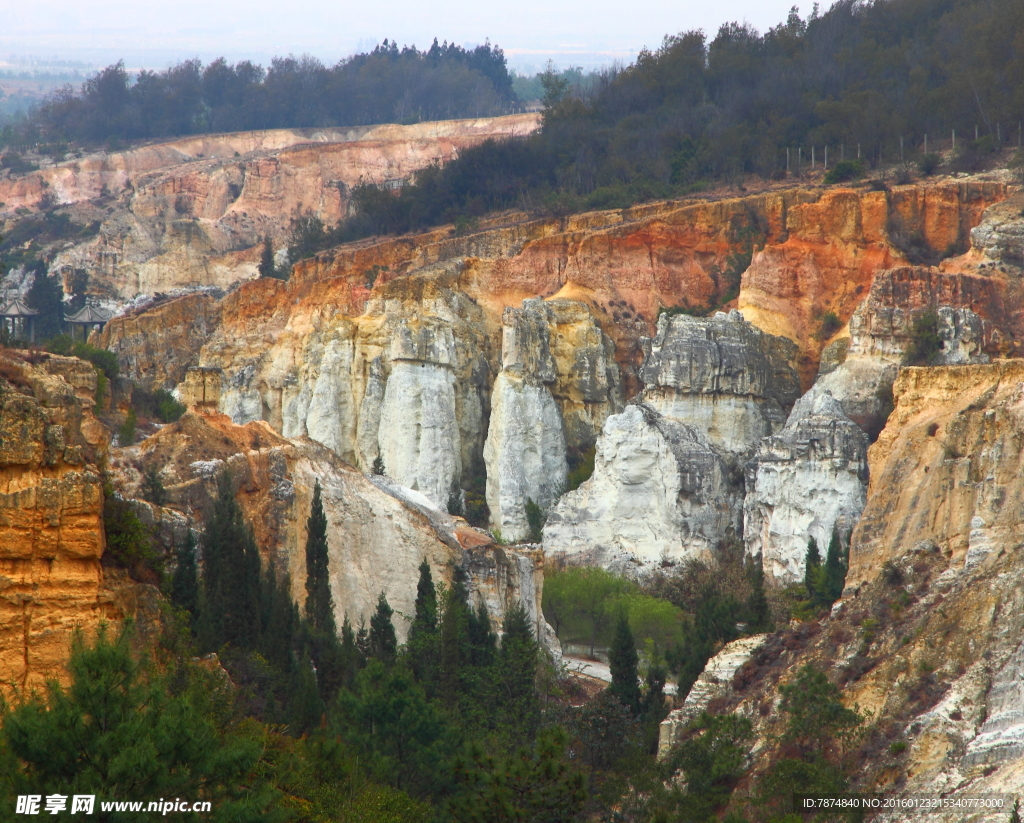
(721, 375)
(194, 211)
(999, 237)
(51, 518)
(955, 430)
(557, 374)
(714, 681)
(807, 480)
(659, 494)
(378, 531)
(832, 246)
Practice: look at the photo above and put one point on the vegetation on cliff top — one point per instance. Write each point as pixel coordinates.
(386, 85)
(868, 81)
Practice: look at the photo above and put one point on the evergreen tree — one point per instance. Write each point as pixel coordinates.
(319, 604)
(454, 637)
(483, 642)
(185, 583)
(120, 730)
(280, 623)
(352, 659)
(305, 706)
(230, 610)
(383, 643)
(46, 295)
(516, 672)
(623, 660)
(812, 562)
(835, 569)
(423, 634)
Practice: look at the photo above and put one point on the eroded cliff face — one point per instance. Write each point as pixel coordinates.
(806, 481)
(927, 639)
(378, 530)
(51, 517)
(194, 211)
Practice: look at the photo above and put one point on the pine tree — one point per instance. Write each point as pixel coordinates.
(319, 604)
(352, 659)
(483, 642)
(812, 562)
(185, 583)
(280, 623)
(383, 643)
(305, 705)
(623, 660)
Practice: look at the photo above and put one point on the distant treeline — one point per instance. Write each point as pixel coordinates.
(386, 85)
(858, 78)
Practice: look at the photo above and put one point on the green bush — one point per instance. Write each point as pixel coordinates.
(129, 541)
(925, 342)
(535, 517)
(829, 325)
(126, 434)
(929, 164)
(157, 405)
(845, 171)
(581, 466)
(101, 358)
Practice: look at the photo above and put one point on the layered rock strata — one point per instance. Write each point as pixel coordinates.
(51, 518)
(806, 481)
(194, 211)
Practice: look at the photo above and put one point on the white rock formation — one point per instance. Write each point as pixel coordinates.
(721, 375)
(715, 680)
(525, 452)
(805, 481)
(659, 494)
(1001, 736)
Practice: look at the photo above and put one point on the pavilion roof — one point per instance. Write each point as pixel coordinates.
(88, 314)
(16, 308)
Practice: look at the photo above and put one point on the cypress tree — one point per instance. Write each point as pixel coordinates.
(517, 669)
(423, 634)
(267, 267)
(454, 636)
(305, 706)
(835, 569)
(280, 622)
(623, 660)
(812, 562)
(383, 643)
(319, 604)
(231, 575)
(483, 643)
(351, 659)
(185, 583)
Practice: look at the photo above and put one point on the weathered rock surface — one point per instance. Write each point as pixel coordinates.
(721, 375)
(805, 481)
(51, 518)
(659, 494)
(194, 211)
(834, 244)
(962, 424)
(378, 530)
(715, 680)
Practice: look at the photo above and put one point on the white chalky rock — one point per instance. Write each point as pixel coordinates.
(806, 480)
(659, 494)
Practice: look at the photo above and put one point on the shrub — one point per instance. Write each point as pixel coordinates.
(925, 341)
(830, 324)
(100, 358)
(535, 517)
(845, 171)
(581, 466)
(929, 163)
(126, 434)
(159, 405)
(129, 541)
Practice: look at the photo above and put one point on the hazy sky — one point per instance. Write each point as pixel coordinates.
(153, 33)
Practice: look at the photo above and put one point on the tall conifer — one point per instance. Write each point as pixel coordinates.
(319, 603)
(383, 643)
(623, 660)
(812, 562)
(185, 583)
